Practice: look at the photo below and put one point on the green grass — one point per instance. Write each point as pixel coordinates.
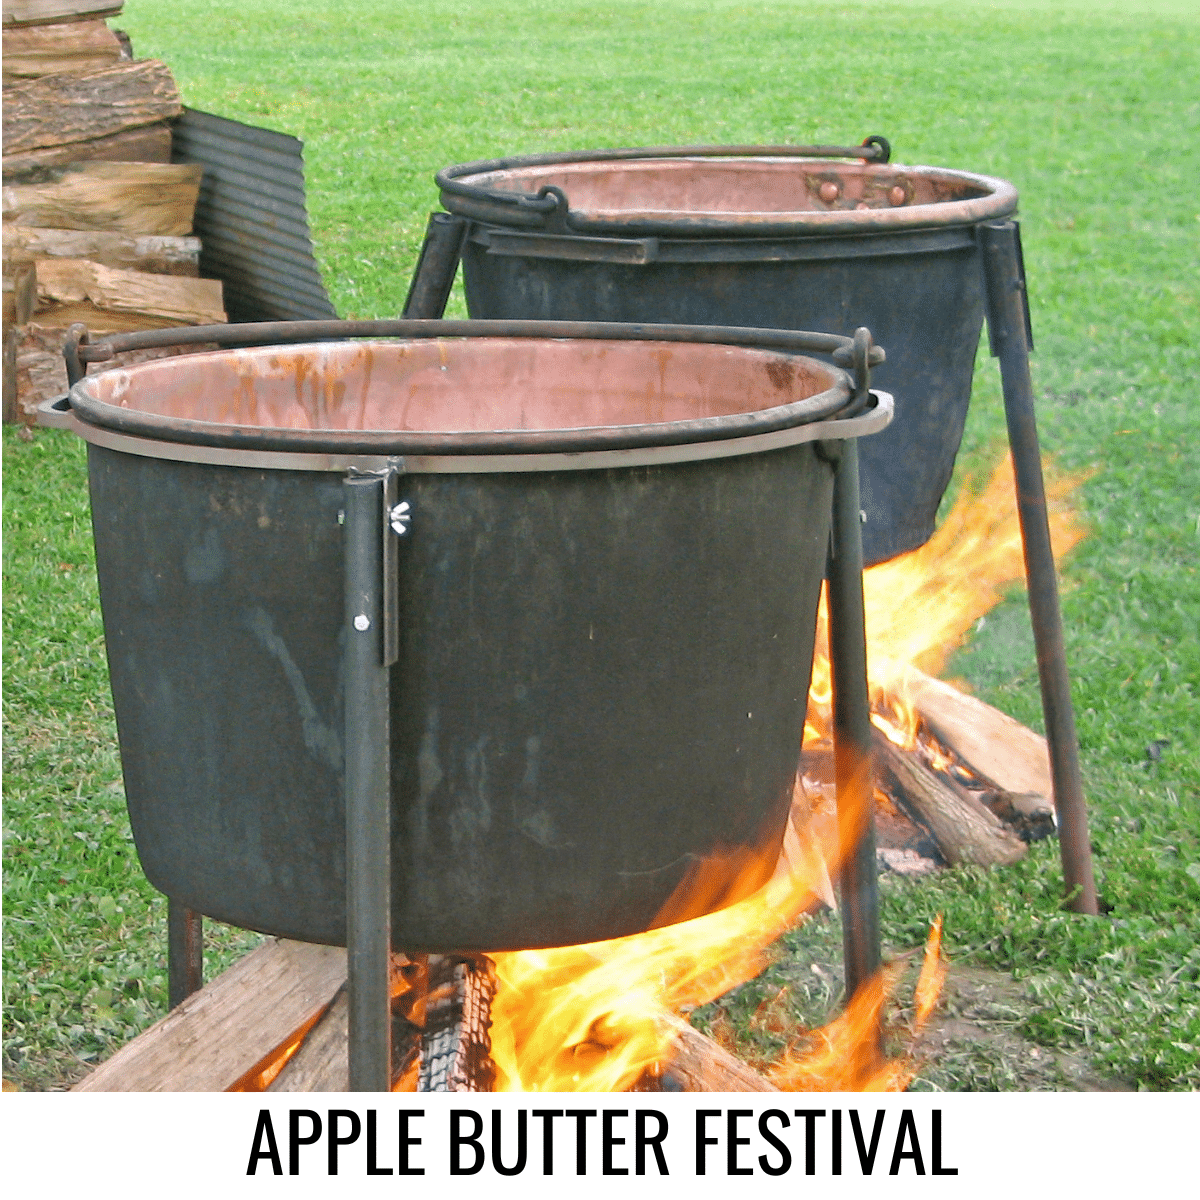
(1091, 109)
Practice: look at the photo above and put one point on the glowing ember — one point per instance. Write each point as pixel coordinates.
(597, 1017)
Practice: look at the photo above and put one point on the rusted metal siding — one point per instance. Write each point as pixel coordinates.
(251, 218)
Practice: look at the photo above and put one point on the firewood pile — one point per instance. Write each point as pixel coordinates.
(96, 216)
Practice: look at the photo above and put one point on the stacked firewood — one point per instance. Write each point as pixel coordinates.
(96, 217)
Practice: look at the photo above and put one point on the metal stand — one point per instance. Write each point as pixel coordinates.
(372, 519)
(437, 266)
(185, 952)
(1009, 330)
(852, 702)
(852, 729)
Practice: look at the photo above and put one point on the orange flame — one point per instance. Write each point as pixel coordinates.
(596, 1017)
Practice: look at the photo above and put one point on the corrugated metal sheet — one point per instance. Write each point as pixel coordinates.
(251, 218)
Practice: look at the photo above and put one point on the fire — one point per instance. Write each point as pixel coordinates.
(598, 1017)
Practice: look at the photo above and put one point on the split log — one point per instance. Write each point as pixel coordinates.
(150, 143)
(1005, 755)
(38, 370)
(110, 300)
(963, 827)
(134, 198)
(698, 1064)
(221, 1033)
(20, 291)
(11, 413)
(42, 12)
(31, 51)
(156, 254)
(39, 373)
(58, 109)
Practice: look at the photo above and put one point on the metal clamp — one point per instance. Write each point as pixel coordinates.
(396, 520)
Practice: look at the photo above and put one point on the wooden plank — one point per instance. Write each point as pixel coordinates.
(69, 288)
(150, 143)
(57, 109)
(1001, 751)
(322, 1063)
(156, 254)
(222, 1031)
(135, 198)
(31, 51)
(41, 12)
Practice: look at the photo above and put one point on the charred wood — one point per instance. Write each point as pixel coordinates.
(965, 830)
(456, 1043)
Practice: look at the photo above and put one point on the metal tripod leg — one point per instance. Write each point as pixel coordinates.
(436, 268)
(1008, 326)
(370, 650)
(852, 728)
(185, 952)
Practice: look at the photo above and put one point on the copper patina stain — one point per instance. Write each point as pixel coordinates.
(780, 373)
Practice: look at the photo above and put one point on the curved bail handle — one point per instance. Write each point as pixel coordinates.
(551, 204)
(558, 218)
(77, 335)
(881, 146)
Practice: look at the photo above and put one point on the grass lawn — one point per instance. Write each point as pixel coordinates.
(1090, 109)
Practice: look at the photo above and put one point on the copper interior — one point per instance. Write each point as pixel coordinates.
(715, 186)
(464, 386)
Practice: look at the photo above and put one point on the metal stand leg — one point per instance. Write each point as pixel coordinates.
(852, 728)
(436, 268)
(368, 784)
(1008, 317)
(185, 952)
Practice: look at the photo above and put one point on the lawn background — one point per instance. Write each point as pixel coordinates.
(1092, 110)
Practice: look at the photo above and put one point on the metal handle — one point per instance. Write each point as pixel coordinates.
(56, 413)
(550, 207)
(80, 350)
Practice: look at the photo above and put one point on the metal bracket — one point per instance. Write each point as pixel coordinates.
(396, 519)
(995, 320)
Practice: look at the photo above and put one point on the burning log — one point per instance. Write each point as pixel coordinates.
(1004, 754)
(963, 827)
(698, 1064)
(456, 1045)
